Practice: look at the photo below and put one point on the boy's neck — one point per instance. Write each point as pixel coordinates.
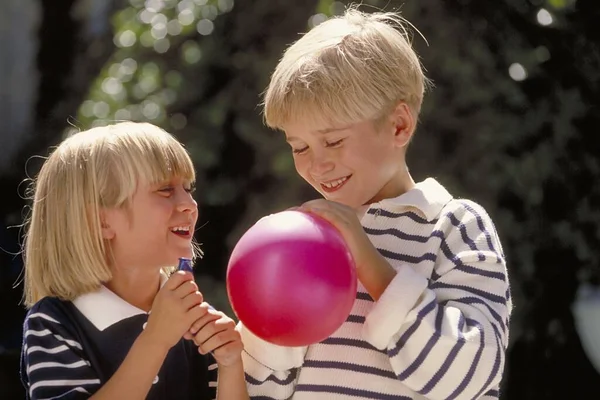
(136, 287)
(397, 186)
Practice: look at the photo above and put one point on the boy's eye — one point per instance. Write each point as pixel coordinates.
(333, 144)
(300, 151)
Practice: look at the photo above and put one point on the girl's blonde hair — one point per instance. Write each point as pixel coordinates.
(64, 252)
(350, 68)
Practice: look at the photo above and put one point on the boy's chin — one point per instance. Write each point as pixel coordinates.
(350, 203)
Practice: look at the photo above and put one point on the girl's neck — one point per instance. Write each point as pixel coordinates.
(137, 286)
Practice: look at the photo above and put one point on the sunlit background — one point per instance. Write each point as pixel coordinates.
(509, 123)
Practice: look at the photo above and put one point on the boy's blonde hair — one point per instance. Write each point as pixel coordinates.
(64, 251)
(350, 68)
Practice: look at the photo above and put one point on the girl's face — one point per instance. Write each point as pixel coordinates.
(158, 227)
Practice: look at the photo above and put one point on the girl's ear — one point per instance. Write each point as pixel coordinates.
(108, 232)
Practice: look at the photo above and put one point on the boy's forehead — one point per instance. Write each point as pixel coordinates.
(298, 128)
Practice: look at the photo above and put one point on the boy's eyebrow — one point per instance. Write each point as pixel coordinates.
(329, 130)
(319, 131)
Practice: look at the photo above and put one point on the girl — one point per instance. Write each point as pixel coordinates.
(109, 318)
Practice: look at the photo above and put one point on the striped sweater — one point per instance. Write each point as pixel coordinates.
(71, 349)
(439, 331)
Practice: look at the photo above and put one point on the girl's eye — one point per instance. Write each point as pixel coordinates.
(300, 151)
(334, 144)
(170, 189)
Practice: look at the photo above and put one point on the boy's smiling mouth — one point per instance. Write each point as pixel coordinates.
(335, 184)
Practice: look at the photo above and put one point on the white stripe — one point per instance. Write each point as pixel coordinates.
(212, 367)
(50, 364)
(47, 332)
(74, 382)
(212, 384)
(53, 350)
(43, 316)
(77, 389)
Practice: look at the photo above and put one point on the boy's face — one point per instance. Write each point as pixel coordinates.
(158, 227)
(355, 164)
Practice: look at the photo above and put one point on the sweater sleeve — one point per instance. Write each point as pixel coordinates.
(446, 337)
(271, 370)
(53, 365)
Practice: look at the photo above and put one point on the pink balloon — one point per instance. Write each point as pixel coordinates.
(291, 279)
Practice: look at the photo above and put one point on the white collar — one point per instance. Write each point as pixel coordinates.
(427, 196)
(104, 308)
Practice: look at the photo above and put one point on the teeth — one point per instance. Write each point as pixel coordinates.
(334, 184)
(183, 229)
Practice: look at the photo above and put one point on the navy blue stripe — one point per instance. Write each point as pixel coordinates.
(364, 296)
(337, 341)
(476, 300)
(492, 393)
(364, 394)
(358, 319)
(366, 369)
(418, 361)
(448, 361)
(469, 376)
(480, 224)
(407, 258)
(468, 268)
(477, 292)
(462, 228)
(398, 234)
(406, 335)
(410, 214)
(495, 368)
(272, 378)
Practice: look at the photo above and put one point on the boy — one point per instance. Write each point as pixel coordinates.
(430, 320)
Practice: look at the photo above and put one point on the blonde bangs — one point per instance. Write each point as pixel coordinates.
(146, 155)
(348, 69)
(320, 98)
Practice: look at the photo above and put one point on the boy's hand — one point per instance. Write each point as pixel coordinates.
(372, 268)
(346, 221)
(174, 310)
(215, 332)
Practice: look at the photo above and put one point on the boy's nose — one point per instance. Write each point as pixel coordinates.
(321, 165)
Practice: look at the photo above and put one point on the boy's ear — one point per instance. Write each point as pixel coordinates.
(403, 124)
